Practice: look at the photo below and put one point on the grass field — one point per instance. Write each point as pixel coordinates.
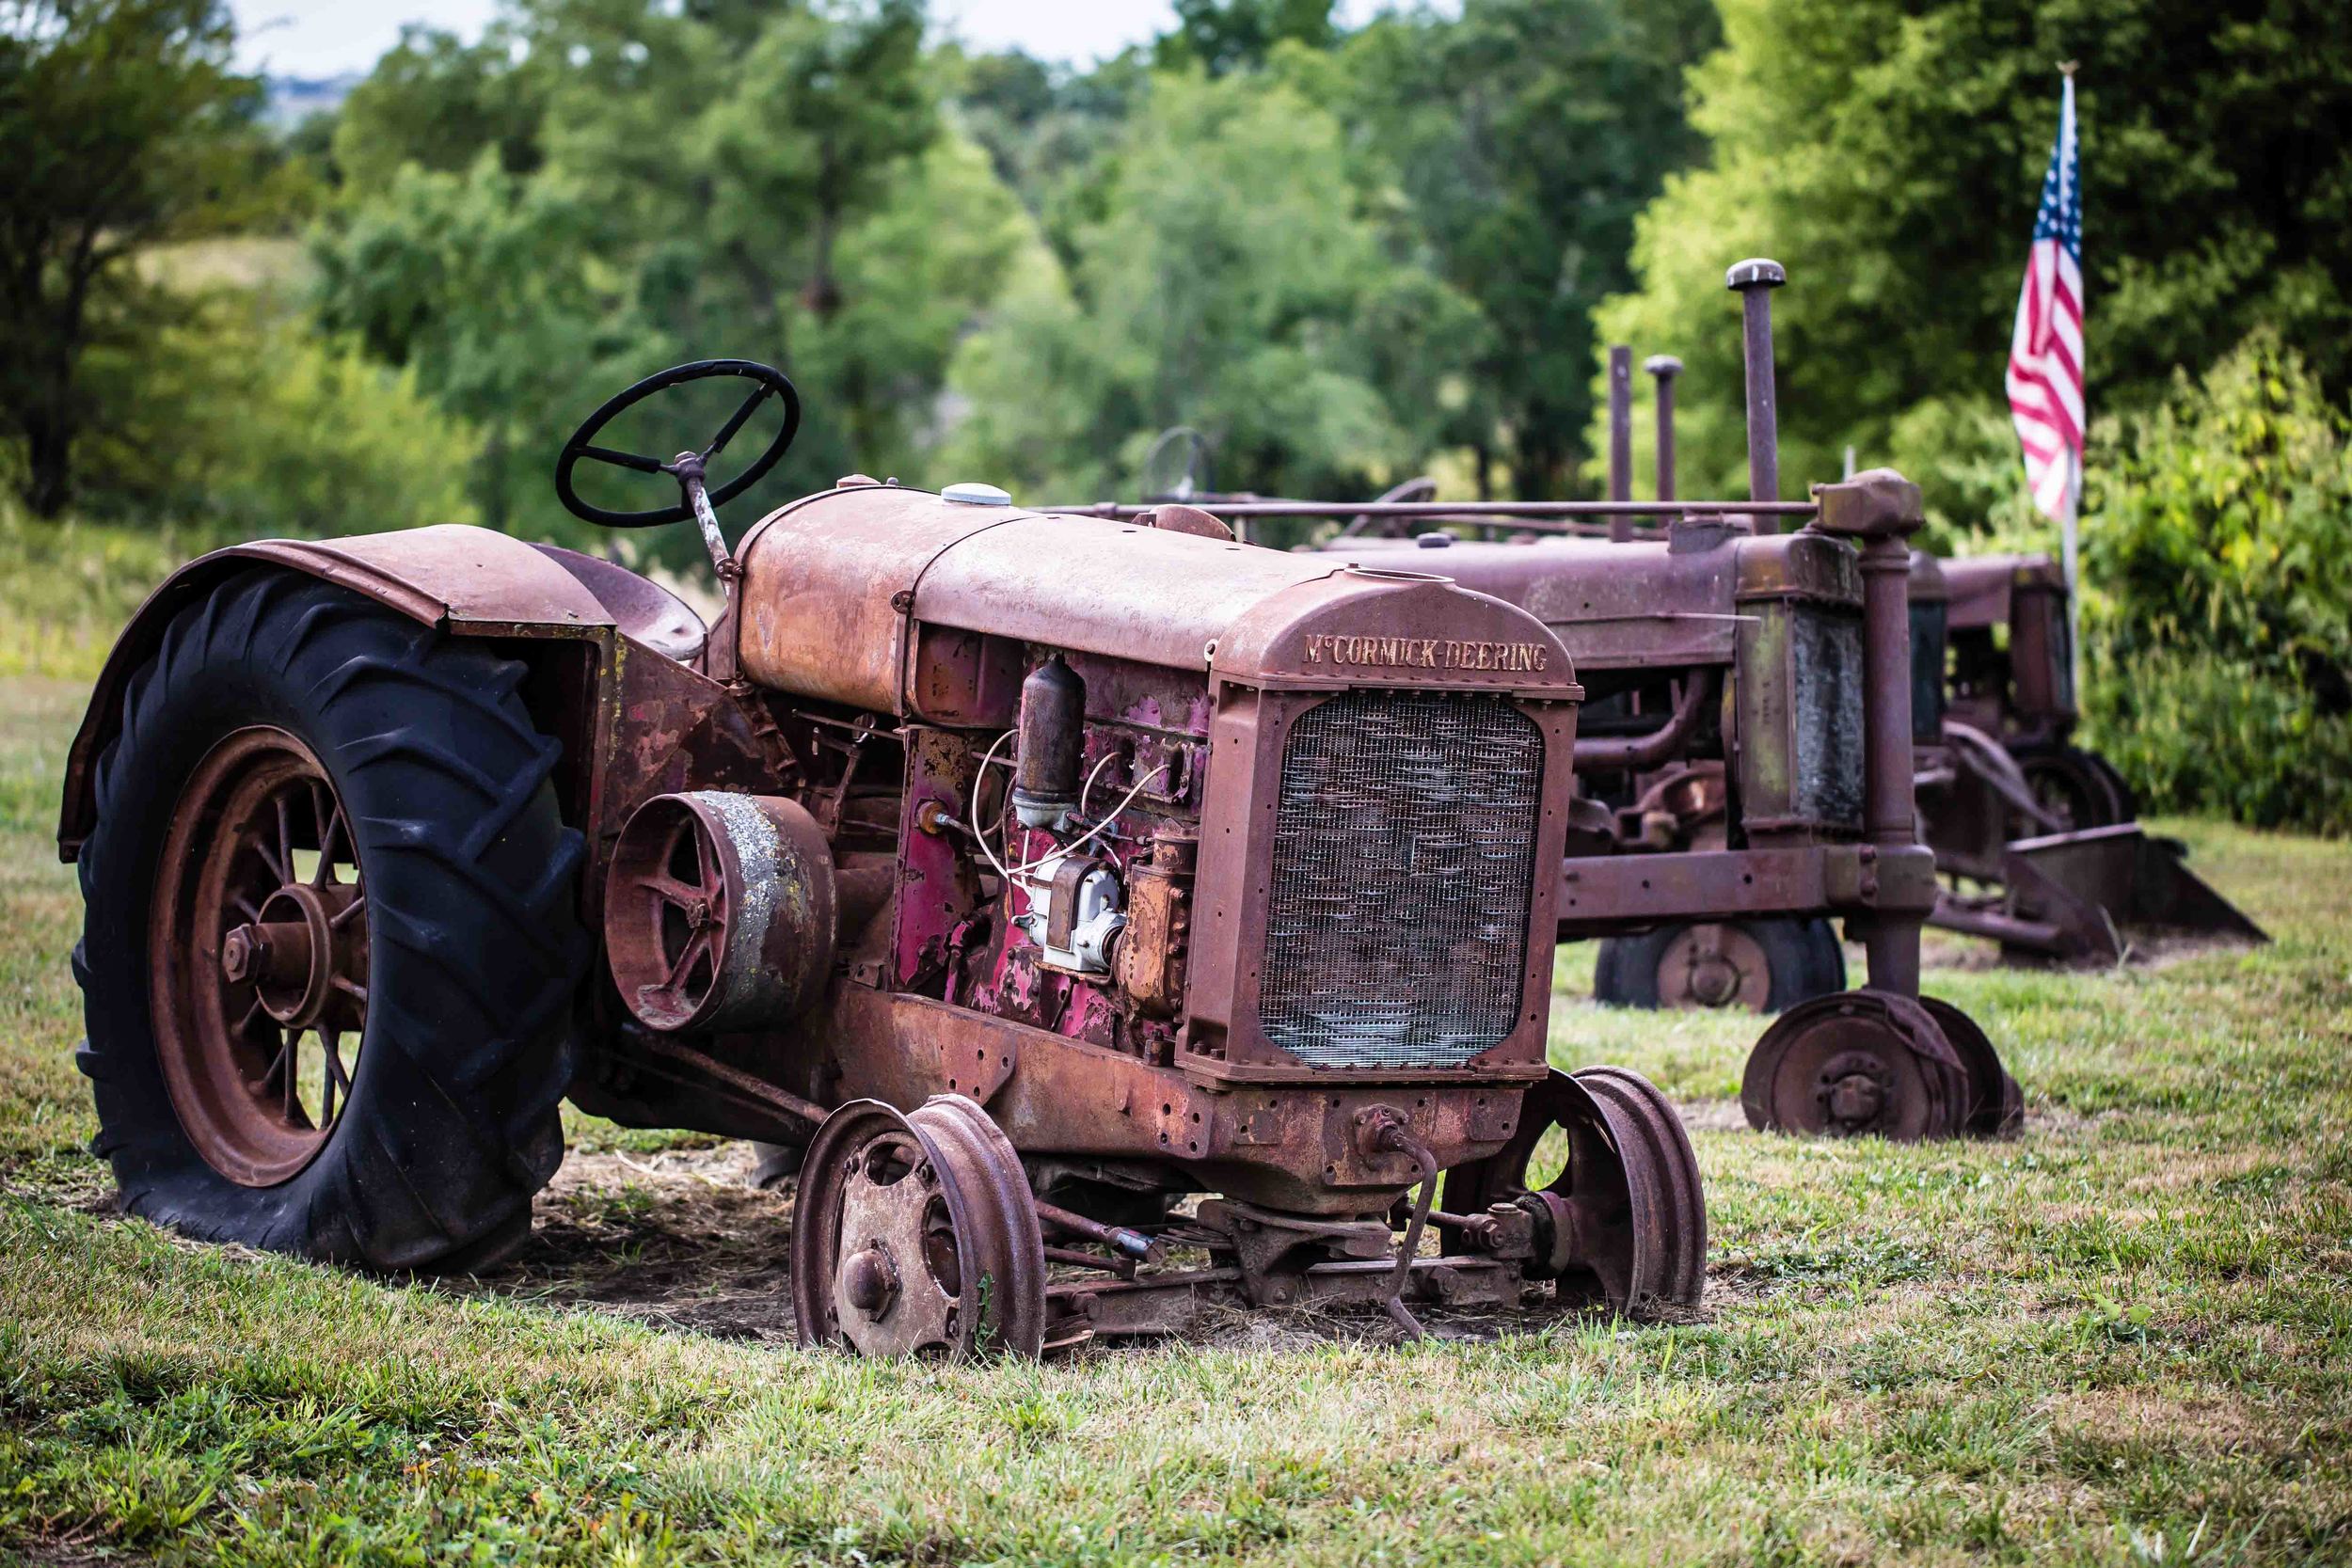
(2124, 1336)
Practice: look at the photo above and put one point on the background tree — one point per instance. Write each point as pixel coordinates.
(121, 125)
(1233, 285)
(1891, 153)
(1221, 36)
(1525, 136)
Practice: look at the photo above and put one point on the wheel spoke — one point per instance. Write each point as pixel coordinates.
(349, 912)
(705, 940)
(673, 892)
(624, 459)
(283, 861)
(330, 814)
(352, 989)
(735, 423)
(331, 1043)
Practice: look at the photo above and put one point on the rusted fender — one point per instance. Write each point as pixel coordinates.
(471, 581)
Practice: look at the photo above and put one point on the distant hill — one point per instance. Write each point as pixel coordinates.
(296, 98)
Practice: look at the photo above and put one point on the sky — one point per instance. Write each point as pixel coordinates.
(326, 38)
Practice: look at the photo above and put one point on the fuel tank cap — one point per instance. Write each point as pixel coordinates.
(972, 493)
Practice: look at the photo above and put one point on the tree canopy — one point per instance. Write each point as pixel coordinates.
(121, 126)
(1890, 155)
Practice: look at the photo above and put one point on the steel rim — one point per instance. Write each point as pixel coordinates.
(917, 1236)
(1714, 965)
(1627, 1209)
(258, 970)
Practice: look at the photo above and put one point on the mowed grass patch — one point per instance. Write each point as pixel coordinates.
(2123, 1336)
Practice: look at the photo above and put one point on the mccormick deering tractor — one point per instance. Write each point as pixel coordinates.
(1745, 758)
(1029, 875)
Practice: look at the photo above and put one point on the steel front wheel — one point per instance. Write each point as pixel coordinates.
(330, 942)
(1857, 1063)
(917, 1236)
(1626, 1213)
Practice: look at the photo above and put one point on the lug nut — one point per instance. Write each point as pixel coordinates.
(241, 953)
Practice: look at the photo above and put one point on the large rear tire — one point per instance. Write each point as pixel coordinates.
(331, 941)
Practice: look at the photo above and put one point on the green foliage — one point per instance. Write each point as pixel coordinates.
(1525, 137)
(1233, 287)
(66, 587)
(711, 181)
(437, 103)
(121, 126)
(2215, 540)
(1221, 36)
(1891, 153)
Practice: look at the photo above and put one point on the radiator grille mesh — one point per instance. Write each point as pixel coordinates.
(1404, 863)
(1825, 694)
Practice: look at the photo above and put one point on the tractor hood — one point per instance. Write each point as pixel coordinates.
(1980, 585)
(1633, 605)
(836, 585)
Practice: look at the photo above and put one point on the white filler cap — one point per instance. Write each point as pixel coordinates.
(972, 494)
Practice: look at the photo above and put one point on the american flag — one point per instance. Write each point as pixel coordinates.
(2045, 349)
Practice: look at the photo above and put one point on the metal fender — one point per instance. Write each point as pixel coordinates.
(470, 581)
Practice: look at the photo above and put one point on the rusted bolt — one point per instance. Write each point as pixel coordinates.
(240, 953)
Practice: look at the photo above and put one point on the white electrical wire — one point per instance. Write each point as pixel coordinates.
(980, 828)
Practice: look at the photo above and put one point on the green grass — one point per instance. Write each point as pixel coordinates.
(2125, 1337)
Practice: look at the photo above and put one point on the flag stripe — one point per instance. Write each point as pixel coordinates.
(2044, 378)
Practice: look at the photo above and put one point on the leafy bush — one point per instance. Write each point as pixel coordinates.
(2217, 627)
(242, 422)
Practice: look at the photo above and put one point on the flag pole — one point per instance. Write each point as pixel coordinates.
(2070, 531)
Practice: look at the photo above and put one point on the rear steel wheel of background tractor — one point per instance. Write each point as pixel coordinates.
(917, 1235)
(2078, 789)
(331, 938)
(1860, 1062)
(1760, 966)
(1626, 1210)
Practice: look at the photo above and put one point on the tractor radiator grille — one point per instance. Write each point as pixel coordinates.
(1825, 669)
(1404, 863)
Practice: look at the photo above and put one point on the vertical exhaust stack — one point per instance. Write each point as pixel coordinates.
(1664, 368)
(1754, 281)
(1620, 438)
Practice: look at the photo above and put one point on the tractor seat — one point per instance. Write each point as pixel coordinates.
(644, 609)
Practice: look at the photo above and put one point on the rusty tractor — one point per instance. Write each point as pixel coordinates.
(1110, 919)
(1743, 758)
(2036, 838)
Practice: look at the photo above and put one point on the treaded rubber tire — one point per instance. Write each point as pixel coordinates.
(475, 945)
(1805, 956)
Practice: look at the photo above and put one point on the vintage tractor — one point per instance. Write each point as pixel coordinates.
(1032, 875)
(1744, 756)
(2036, 837)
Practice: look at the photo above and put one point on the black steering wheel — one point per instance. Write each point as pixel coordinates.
(687, 467)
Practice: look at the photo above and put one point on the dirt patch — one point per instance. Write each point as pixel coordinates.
(679, 1240)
